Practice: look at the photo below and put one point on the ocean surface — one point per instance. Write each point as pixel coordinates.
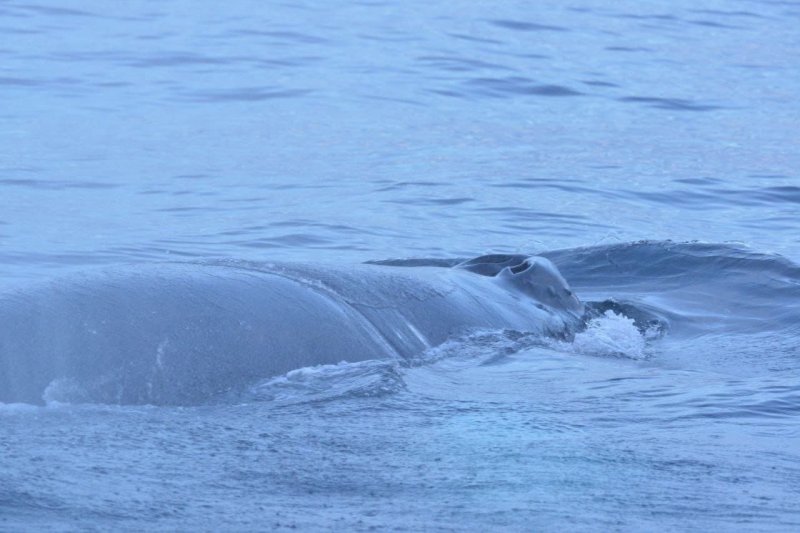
(649, 150)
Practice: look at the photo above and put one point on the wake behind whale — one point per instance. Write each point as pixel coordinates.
(182, 333)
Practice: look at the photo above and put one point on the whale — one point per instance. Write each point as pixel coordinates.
(181, 333)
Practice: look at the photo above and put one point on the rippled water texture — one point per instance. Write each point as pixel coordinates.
(367, 130)
(351, 131)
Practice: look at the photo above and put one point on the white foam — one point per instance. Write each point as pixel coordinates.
(611, 334)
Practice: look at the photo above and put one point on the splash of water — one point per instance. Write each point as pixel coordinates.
(612, 334)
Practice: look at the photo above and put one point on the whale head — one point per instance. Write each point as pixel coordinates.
(534, 276)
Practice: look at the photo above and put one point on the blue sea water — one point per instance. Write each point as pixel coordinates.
(650, 150)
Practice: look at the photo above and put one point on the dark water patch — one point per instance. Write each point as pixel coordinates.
(553, 90)
(15, 501)
(290, 240)
(415, 262)
(55, 185)
(278, 37)
(55, 11)
(155, 36)
(157, 252)
(72, 16)
(238, 232)
(168, 249)
(517, 25)
(112, 84)
(692, 199)
(769, 176)
(179, 59)
(189, 209)
(430, 201)
(517, 86)
(599, 83)
(474, 38)
(628, 49)
(672, 104)
(268, 185)
(193, 176)
(704, 181)
(752, 66)
(604, 167)
(19, 31)
(712, 24)
(785, 194)
(736, 405)
(659, 17)
(254, 94)
(560, 185)
(89, 57)
(786, 223)
(534, 181)
(409, 184)
(58, 260)
(722, 197)
(191, 192)
(460, 64)
(580, 9)
(518, 214)
(384, 98)
(21, 82)
(402, 38)
(287, 62)
(722, 13)
(446, 92)
(305, 223)
(248, 203)
(450, 201)
(522, 55)
(373, 3)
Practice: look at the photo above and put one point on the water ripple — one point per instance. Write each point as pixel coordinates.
(517, 25)
(672, 104)
(54, 184)
(517, 86)
(244, 94)
(460, 64)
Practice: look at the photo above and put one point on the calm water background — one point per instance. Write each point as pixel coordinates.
(352, 131)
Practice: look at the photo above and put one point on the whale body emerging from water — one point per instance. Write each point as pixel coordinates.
(182, 333)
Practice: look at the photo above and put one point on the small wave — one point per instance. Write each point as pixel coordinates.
(702, 288)
(486, 346)
(14, 408)
(328, 382)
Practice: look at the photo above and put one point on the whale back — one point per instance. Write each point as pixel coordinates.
(181, 333)
(170, 334)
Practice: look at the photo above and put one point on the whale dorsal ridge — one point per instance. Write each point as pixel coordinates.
(534, 276)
